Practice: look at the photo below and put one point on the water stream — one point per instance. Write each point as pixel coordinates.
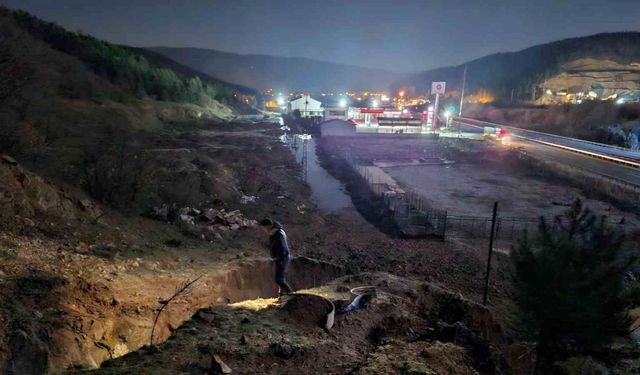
(326, 191)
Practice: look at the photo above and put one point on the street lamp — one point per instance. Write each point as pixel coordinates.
(374, 104)
(342, 103)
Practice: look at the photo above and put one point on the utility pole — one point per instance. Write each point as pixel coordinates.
(493, 232)
(435, 112)
(464, 82)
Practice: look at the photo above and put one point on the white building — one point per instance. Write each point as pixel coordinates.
(307, 106)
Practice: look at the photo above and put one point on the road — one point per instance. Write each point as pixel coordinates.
(560, 152)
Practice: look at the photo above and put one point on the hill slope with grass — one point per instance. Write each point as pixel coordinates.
(61, 91)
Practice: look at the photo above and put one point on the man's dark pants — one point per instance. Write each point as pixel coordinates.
(281, 273)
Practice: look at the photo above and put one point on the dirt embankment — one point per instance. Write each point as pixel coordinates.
(408, 327)
(108, 271)
(103, 272)
(82, 280)
(136, 295)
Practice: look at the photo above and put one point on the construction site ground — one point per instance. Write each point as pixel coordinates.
(83, 282)
(471, 177)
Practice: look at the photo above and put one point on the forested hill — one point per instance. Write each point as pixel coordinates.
(69, 102)
(280, 73)
(500, 73)
(522, 71)
(126, 67)
(164, 62)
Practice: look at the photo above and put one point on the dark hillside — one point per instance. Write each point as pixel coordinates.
(70, 118)
(522, 71)
(280, 73)
(162, 61)
(500, 74)
(121, 65)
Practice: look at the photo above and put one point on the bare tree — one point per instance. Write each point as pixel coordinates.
(181, 290)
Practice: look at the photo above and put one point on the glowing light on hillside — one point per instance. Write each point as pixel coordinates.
(482, 96)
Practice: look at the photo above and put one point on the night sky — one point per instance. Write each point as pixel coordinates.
(400, 35)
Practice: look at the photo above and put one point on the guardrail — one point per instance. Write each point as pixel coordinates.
(610, 153)
(548, 134)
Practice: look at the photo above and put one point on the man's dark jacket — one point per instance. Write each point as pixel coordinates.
(278, 244)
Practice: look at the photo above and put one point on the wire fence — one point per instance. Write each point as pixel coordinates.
(508, 230)
(417, 217)
(412, 213)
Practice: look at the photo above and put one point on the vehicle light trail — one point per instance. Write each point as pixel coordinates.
(603, 156)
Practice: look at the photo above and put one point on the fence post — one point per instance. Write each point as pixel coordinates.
(493, 227)
(497, 233)
(444, 226)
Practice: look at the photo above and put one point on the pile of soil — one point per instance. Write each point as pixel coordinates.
(306, 309)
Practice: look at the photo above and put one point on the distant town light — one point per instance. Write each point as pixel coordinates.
(401, 93)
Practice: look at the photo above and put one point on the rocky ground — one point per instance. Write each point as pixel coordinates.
(409, 326)
(83, 281)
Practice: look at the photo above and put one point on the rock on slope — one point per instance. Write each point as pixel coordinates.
(602, 76)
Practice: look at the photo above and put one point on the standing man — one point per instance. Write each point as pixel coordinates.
(279, 248)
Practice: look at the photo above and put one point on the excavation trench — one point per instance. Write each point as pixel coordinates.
(88, 339)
